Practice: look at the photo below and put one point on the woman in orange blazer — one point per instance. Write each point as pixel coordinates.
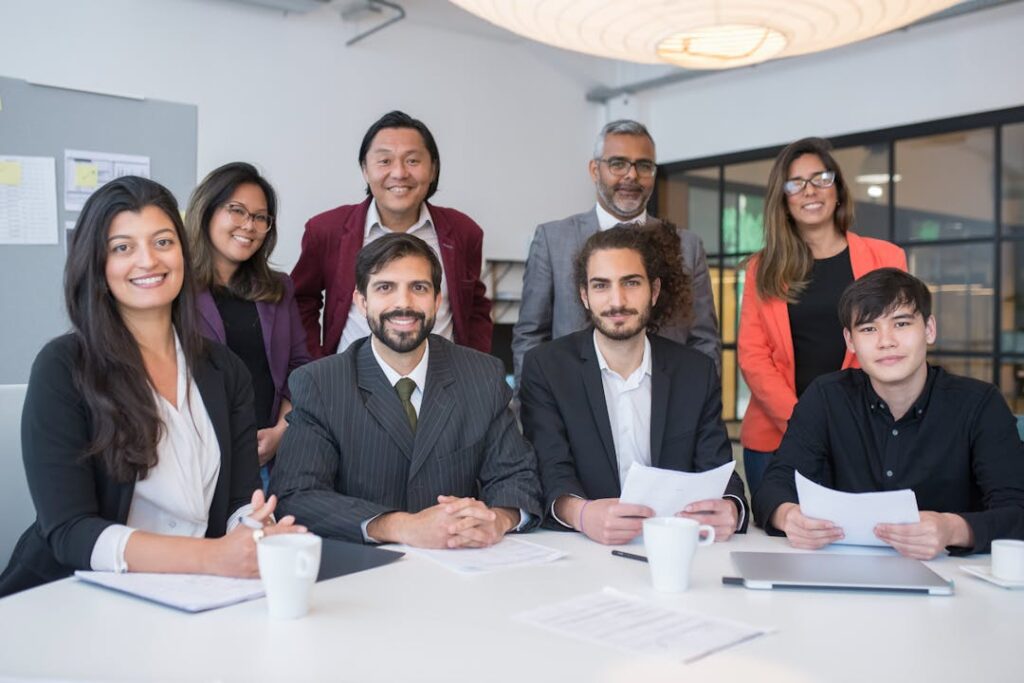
(789, 328)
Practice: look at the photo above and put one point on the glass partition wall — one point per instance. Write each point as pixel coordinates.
(950, 192)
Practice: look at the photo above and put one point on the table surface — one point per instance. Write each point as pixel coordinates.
(414, 620)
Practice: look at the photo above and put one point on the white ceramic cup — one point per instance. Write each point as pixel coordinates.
(671, 543)
(1008, 559)
(289, 564)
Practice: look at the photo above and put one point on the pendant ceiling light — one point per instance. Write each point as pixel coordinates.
(701, 34)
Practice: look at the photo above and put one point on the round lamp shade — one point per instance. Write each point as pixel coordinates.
(700, 34)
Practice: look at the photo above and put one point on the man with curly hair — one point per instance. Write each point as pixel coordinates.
(596, 401)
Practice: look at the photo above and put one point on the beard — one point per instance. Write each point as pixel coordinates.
(623, 208)
(621, 332)
(403, 341)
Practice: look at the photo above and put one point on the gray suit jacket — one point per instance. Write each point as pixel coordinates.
(551, 307)
(349, 454)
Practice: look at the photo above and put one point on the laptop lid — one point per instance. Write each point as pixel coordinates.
(832, 571)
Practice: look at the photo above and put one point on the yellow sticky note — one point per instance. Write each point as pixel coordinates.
(86, 175)
(10, 173)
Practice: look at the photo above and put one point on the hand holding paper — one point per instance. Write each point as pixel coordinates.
(856, 514)
(668, 491)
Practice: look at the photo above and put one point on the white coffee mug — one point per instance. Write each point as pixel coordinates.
(289, 564)
(1008, 559)
(671, 543)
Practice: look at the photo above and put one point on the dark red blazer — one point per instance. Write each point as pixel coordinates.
(327, 266)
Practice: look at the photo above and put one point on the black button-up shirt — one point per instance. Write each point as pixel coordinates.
(957, 448)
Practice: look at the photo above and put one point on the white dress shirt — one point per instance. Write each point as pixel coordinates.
(418, 375)
(356, 327)
(605, 220)
(174, 499)
(628, 400)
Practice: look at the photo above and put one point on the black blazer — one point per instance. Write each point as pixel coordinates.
(75, 498)
(565, 417)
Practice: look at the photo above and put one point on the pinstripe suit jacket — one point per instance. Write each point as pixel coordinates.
(349, 454)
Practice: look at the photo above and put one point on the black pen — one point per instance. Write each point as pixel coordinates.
(629, 556)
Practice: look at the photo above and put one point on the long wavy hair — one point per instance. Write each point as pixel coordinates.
(658, 244)
(109, 371)
(785, 263)
(254, 280)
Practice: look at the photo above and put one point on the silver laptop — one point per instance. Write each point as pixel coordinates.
(823, 571)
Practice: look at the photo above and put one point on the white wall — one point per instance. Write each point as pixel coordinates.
(948, 68)
(284, 92)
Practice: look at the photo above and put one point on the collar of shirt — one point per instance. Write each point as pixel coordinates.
(634, 379)
(373, 220)
(605, 220)
(418, 374)
(876, 405)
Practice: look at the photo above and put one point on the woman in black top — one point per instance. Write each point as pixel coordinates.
(242, 302)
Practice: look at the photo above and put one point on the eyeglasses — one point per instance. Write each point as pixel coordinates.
(239, 216)
(820, 179)
(619, 166)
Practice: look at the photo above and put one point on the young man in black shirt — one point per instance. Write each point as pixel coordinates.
(899, 423)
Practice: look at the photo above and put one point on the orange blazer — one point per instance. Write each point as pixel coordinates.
(766, 346)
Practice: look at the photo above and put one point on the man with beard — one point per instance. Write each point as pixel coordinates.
(405, 437)
(598, 400)
(623, 170)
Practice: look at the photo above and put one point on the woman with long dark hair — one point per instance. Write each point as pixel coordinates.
(242, 302)
(137, 435)
(789, 325)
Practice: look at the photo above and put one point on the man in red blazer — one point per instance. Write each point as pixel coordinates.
(401, 165)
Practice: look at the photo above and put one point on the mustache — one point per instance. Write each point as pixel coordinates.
(628, 187)
(403, 313)
(608, 312)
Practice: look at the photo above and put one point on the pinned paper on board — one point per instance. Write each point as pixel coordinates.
(85, 172)
(28, 200)
(10, 172)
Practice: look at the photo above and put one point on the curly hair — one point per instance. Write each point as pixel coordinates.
(660, 249)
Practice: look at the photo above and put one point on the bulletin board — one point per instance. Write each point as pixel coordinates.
(42, 121)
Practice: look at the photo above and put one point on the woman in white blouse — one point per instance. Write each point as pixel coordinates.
(138, 436)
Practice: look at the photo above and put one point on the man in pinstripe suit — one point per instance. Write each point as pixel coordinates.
(396, 438)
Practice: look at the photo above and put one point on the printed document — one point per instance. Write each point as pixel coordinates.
(668, 491)
(188, 592)
(610, 618)
(509, 553)
(28, 200)
(85, 172)
(856, 513)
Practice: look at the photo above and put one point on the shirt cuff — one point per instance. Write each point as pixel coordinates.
(366, 537)
(236, 517)
(108, 552)
(741, 506)
(524, 520)
(559, 519)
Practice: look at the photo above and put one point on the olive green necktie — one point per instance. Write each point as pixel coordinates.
(405, 387)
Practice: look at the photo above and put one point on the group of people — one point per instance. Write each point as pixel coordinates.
(361, 391)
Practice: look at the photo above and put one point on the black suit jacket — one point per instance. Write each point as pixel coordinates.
(75, 498)
(564, 415)
(349, 453)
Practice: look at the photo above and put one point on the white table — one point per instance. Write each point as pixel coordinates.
(417, 621)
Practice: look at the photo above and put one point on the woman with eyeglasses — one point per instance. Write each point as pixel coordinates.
(789, 326)
(137, 434)
(243, 303)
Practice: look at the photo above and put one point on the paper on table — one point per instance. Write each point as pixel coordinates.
(28, 200)
(510, 552)
(856, 513)
(612, 618)
(189, 592)
(668, 491)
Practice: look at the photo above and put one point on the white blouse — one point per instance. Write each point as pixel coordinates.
(174, 499)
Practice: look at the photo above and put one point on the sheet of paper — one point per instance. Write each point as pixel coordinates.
(668, 491)
(509, 553)
(189, 592)
(28, 200)
(85, 172)
(856, 513)
(610, 618)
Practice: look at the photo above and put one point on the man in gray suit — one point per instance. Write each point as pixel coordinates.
(623, 170)
(405, 437)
